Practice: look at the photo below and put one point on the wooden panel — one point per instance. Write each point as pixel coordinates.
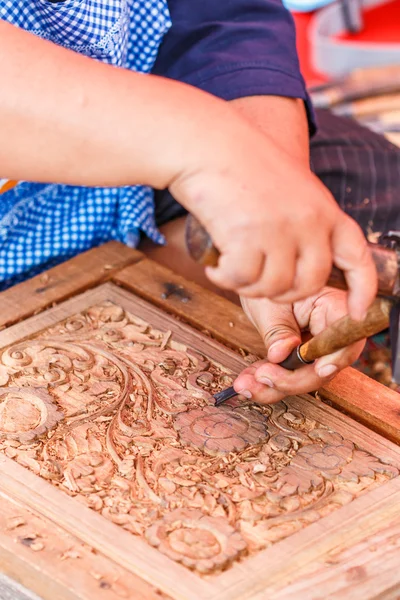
(367, 401)
(10, 590)
(107, 401)
(369, 569)
(72, 277)
(359, 396)
(204, 310)
(57, 565)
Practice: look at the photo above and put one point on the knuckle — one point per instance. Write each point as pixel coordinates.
(313, 278)
(278, 332)
(275, 285)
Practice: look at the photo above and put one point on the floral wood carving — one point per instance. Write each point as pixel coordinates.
(121, 415)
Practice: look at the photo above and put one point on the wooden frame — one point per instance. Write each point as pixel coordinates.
(356, 394)
(365, 516)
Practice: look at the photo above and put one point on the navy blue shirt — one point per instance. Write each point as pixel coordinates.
(233, 49)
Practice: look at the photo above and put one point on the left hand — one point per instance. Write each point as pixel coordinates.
(280, 327)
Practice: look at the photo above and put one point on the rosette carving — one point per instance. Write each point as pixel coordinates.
(220, 430)
(26, 414)
(113, 411)
(197, 541)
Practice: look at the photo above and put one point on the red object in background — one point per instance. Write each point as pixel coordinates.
(303, 21)
(381, 24)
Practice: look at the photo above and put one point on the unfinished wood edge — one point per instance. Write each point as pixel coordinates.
(201, 308)
(26, 574)
(342, 529)
(11, 589)
(132, 554)
(348, 428)
(345, 392)
(61, 567)
(365, 400)
(67, 279)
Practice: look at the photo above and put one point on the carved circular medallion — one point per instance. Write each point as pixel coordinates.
(26, 413)
(196, 540)
(220, 430)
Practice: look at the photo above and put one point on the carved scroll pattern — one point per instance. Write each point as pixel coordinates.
(121, 416)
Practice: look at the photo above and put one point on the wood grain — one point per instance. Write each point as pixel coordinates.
(53, 563)
(326, 479)
(65, 280)
(371, 403)
(347, 331)
(369, 569)
(367, 401)
(201, 308)
(320, 544)
(10, 590)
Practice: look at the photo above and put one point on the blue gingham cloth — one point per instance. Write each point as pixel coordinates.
(41, 225)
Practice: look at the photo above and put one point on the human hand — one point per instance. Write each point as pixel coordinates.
(277, 227)
(280, 327)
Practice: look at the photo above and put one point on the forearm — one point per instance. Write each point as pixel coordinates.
(66, 118)
(283, 120)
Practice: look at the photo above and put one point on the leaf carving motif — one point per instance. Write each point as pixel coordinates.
(120, 415)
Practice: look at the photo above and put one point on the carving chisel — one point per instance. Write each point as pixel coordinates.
(343, 332)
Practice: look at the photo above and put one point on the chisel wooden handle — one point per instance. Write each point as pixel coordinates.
(202, 250)
(340, 334)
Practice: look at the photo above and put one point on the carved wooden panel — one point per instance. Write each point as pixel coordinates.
(110, 401)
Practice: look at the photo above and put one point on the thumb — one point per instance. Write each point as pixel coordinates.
(276, 324)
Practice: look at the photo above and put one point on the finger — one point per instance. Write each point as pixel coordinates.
(278, 273)
(301, 381)
(276, 324)
(246, 385)
(333, 363)
(307, 378)
(312, 269)
(352, 255)
(238, 266)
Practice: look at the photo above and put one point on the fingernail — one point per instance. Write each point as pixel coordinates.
(277, 344)
(265, 381)
(245, 393)
(327, 370)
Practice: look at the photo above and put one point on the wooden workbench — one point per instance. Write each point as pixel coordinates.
(336, 488)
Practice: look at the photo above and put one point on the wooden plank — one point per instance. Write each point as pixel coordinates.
(366, 400)
(343, 477)
(359, 396)
(54, 564)
(133, 555)
(63, 281)
(10, 590)
(197, 306)
(337, 540)
(368, 569)
(365, 517)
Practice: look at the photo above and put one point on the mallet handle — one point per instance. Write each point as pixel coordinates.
(203, 251)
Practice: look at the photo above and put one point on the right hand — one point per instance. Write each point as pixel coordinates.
(281, 327)
(277, 227)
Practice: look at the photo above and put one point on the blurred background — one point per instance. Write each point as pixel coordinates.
(350, 57)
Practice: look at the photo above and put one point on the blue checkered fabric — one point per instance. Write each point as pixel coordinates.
(45, 224)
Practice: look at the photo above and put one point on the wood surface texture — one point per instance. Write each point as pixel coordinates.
(10, 590)
(65, 280)
(108, 431)
(359, 396)
(56, 565)
(347, 331)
